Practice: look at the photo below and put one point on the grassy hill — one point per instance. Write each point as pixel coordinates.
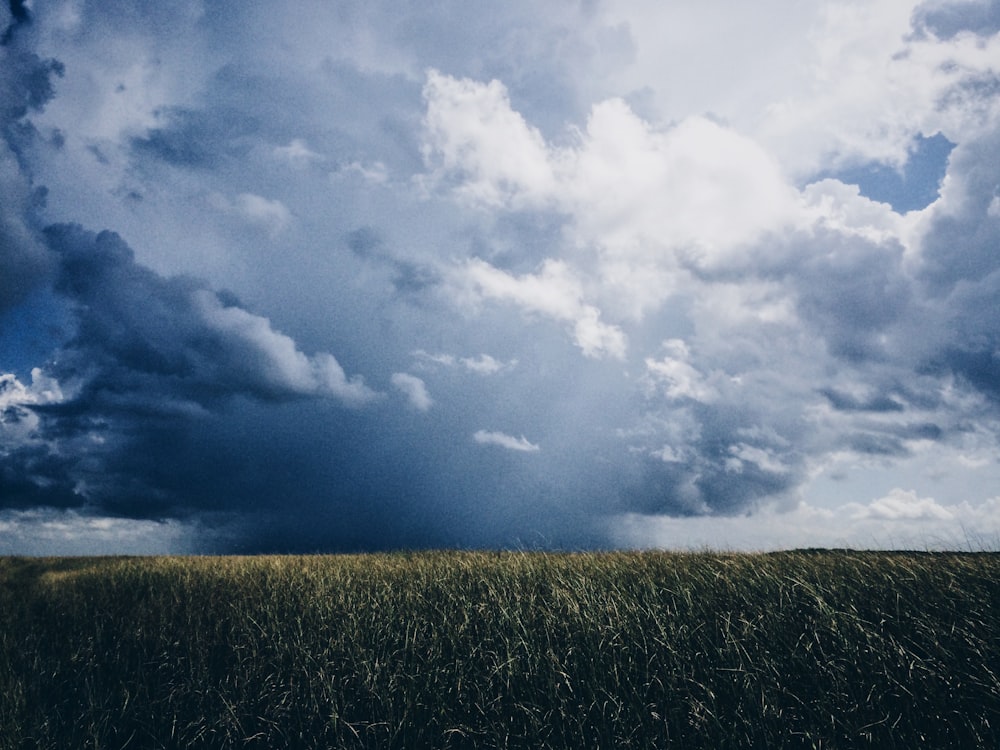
(825, 649)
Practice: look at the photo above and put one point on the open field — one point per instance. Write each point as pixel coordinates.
(502, 650)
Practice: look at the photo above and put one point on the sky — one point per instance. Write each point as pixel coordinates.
(582, 274)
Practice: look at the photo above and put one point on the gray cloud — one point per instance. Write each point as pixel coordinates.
(847, 402)
(173, 339)
(26, 84)
(945, 20)
(961, 269)
(961, 244)
(852, 292)
(152, 362)
(190, 138)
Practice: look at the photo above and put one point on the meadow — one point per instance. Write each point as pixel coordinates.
(809, 649)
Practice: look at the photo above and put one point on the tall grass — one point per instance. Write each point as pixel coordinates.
(509, 650)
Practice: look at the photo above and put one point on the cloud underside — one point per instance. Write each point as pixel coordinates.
(696, 298)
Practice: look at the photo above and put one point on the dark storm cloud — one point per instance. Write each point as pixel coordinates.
(26, 85)
(19, 11)
(961, 268)
(704, 486)
(19, 16)
(24, 262)
(33, 476)
(180, 402)
(153, 369)
(976, 362)
(172, 340)
(738, 456)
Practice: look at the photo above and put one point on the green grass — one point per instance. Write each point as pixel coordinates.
(511, 650)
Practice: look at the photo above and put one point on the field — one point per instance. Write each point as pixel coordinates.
(824, 649)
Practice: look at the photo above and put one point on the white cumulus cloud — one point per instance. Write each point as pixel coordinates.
(414, 389)
(902, 504)
(484, 364)
(17, 421)
(297, 153)
(273, 357)
(504, 440)
(677, 376)
(473, 131)
(271, 215)
(553, 292)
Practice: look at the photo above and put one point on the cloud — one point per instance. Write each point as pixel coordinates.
(624, 172)
(271, 215)
(70, 532)
(958, 265)
(957, 245)
(375, 174)
(472, 131)
(852, 292)
(676, 374)
(42, 390)
(877, 85)
(903, 504)
(615, 178)
(484, 364)
(504, 440)
(615, 183)
(945, 20)
(297, 153)
(26, 86)
(18, 423)
(552, 292)
(188, 138)
(414, 389)
(109, 422)
(812, 276)
(274, 361)
(173, 336)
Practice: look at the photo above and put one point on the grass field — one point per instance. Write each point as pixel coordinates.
(502, 650)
